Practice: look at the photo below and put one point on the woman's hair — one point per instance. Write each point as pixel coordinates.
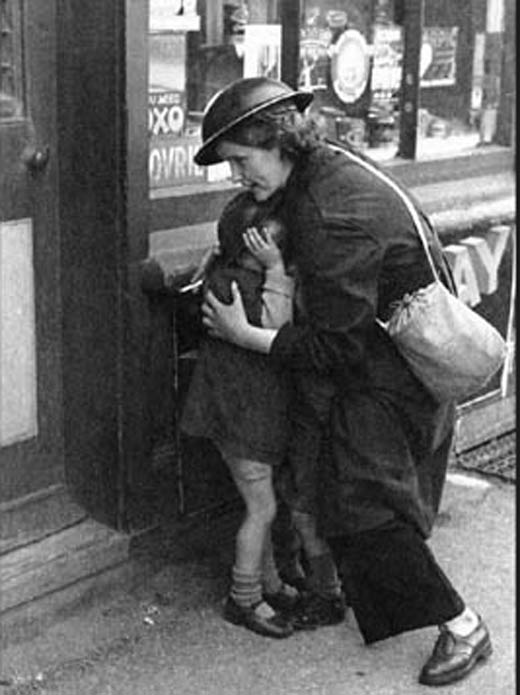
(279, 126)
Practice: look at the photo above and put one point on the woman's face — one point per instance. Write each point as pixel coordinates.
(260, 171)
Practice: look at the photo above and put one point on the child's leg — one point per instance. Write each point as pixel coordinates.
(245, 604)
(254, 482)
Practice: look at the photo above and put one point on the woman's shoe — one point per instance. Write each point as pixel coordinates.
(318, 611)
(275, 626)
(454, 657)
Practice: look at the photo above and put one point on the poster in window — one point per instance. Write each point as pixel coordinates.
(262, 50)
(438, 56)
(387, 61)
(173, 15)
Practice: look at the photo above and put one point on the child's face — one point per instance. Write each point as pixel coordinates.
(276, 229)
(264, 244)
(247, 260)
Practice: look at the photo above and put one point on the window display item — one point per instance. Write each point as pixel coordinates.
(263, 43)
(350, 66)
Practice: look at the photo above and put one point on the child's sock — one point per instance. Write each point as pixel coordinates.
(246, 588)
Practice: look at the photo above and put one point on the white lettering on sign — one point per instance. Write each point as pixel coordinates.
(166, 113)
(173, 164)
(164, 120)
(463, 273)
(475, 261)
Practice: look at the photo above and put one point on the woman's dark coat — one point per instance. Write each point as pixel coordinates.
(356, 250)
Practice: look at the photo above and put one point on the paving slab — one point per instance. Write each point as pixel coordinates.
(166, 635)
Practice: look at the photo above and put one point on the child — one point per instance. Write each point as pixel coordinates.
(239, 402)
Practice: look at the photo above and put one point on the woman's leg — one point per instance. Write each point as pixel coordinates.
(322, 574)
(324, 603)
(395, 585)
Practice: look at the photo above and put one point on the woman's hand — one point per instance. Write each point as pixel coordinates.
(226, 321)
(261, 244)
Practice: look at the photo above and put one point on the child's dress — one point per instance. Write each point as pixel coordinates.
(236, 397)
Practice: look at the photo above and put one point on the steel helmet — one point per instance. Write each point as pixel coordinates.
(238, 101)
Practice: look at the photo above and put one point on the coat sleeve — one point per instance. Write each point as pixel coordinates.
(340, 260)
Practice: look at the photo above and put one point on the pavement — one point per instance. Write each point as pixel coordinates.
(163, 633)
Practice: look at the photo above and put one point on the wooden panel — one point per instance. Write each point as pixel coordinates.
(91, 116)
(59, 560)
(32, 457)
(30, 518)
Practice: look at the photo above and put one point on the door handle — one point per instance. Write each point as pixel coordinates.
(36, 158)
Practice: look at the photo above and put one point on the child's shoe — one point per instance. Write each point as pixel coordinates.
(259, 618)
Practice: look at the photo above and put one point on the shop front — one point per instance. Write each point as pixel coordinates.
(415, 85)
(104, 217)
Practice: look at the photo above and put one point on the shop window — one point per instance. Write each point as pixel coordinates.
(451, 76)
(195, 49)
(11, 76)
(351, 55)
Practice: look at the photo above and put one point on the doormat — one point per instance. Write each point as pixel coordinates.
(496, 458)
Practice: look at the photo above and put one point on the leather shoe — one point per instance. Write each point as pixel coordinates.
(315, 611)
(275, 626)
(453, 657)
(284, 600)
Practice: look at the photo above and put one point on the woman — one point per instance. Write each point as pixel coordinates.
(385, 443)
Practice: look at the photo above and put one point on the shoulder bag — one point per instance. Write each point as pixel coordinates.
(452, 350)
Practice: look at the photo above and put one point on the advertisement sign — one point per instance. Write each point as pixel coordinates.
(438, 56)
(166, 113)
(482, 263)
(349, 66)
(171, 161)
(173, 15)
(387, 61)
(315, 38)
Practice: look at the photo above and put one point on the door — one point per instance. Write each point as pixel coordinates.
(31, 437)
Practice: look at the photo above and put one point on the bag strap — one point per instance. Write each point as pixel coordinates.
(408, 203)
